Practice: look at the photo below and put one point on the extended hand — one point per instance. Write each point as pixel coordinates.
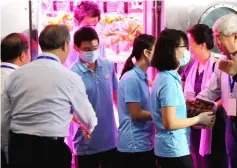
(229, 66)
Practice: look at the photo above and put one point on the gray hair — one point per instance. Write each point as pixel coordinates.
(226, 24)
(54, 37)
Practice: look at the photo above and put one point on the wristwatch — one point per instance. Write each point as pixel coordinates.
(235, 78)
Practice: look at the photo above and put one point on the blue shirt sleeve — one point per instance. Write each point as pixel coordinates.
(168, 92)
(132, 91)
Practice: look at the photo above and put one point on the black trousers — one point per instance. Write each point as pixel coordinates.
(39, 152)
(218, 152)
(137, 160)
(178, 162)
(107, 159)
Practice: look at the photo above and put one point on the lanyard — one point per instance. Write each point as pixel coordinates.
(47, 57)
(8, 67)
(231, 84)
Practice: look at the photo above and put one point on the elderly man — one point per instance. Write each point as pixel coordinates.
(37, 105)
(222, 84)
(14, 54)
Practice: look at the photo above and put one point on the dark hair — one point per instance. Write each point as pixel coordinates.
(164, 57)
(141, 42)
(201, 33)
(12, 46)
(54, 37)
(85, 34)
(86, 8)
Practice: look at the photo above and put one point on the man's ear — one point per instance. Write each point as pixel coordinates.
(22, 56)
(235, 36)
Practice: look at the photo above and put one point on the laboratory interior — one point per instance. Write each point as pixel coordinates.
(139, 128)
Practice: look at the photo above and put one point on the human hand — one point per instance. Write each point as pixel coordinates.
(86, 133)
(207, 118)
(229, 66)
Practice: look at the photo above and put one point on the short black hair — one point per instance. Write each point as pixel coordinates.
(12, 46)
(54, 37)
(201, 33)
(164, 57)
(85, 34)
(86, 8)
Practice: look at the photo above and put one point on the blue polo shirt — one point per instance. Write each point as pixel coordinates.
(134, 136)
(99, 88)
(167, 91)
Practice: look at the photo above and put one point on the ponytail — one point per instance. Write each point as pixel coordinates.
(128, 65)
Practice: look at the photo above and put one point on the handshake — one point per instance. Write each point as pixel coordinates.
(202, 109)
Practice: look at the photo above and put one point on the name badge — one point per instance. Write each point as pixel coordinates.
(232, 107)
(107, 76)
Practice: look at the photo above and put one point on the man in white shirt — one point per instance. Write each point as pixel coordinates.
(37, 106)
(222, 84)
(14, 54)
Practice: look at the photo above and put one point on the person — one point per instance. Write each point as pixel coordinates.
(37, 105)
(222, 85)
(34, 36)
(205, 153)
(14, 54)
(101, 82)
(229, 67)
(168, 105)
(135, 133)
(86, 14)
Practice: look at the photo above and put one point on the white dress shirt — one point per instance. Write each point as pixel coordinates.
(218, 86)
(39, 99)
(6, 70)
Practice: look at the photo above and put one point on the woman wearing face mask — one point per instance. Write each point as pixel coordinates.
(168, 103)
(135, 142)
(99, 149)
(194, 78)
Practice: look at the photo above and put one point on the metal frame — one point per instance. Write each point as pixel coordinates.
(216, 7)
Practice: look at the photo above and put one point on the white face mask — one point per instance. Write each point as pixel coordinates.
(185, 59)
(90, 56)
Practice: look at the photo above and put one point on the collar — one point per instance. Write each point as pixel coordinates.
(141, 74)
(50, 55)
(10, 64)
(84, 68)
(175, 75)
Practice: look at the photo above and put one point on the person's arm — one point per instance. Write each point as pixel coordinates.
(170, 121)
(5, 122)
(82, 108)
(115, 87)
(137, 113)
(229, 66)
(212, 89)
(132, 94)
(169, 104)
